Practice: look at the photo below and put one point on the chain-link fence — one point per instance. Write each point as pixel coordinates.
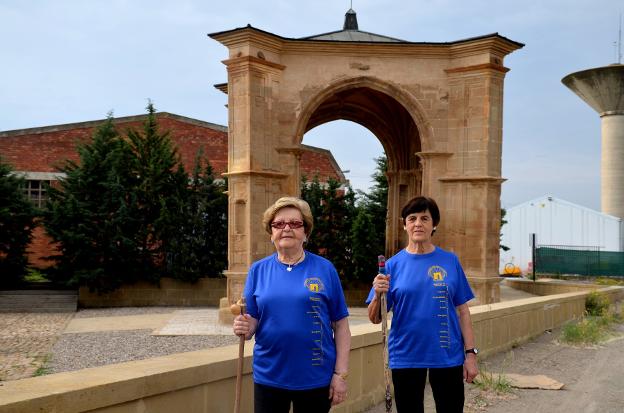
(581, 260)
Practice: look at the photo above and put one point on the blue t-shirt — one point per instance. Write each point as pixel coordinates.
(295, 346)
(424, 291)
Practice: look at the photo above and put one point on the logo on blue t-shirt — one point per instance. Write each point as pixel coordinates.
(437, 273)
(314, 284)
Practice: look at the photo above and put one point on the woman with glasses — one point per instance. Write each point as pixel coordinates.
(431, 333)
(297, 311)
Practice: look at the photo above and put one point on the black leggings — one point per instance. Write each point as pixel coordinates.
(447, 385)
(269, 399)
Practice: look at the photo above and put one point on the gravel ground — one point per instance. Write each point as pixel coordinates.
(83, 350)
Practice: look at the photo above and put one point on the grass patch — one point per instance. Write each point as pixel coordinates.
(591, 329)
(610, 281)
(597, 324)
(35, 276)
(488, 381)
(43, 369)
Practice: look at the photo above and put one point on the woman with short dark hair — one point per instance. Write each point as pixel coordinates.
(297, 311)
(426, 289)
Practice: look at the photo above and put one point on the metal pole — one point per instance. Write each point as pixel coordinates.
(533, 254)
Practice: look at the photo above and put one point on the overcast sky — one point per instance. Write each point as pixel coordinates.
(68, 61)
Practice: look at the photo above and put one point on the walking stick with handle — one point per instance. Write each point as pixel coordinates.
(239, 309)
(381, 262)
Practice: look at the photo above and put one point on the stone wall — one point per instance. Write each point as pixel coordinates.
(203, 293)
(548, 287)
(204, 381)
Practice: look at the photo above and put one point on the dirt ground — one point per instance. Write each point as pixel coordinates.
(593, 378)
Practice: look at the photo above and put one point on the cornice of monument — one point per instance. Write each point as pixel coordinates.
(474, 68)
(490, 43)
(251, 61)
(482, 178)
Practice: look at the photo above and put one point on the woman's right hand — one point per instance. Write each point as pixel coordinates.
(381, 284)
(244, 325)
(241, 325)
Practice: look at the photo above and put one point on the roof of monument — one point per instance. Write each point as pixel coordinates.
(350, 33)
(344, 37)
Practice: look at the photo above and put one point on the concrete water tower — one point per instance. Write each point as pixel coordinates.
(602, 88)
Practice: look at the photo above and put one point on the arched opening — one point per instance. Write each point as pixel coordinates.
(388, 120)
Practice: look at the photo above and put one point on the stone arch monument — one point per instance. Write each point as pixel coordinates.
(435, 107)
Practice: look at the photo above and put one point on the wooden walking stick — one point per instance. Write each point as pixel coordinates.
(239, 309)
(381, 262)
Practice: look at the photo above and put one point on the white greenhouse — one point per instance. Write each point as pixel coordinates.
(556, 222)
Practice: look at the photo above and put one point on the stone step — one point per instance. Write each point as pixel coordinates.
(41, 301)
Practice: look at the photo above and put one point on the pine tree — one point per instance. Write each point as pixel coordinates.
(17, 220)
(159, 194)
(333, 209)
(89, 214)
(365, 246)
(373, 206)
(199, 246)
(128, 212)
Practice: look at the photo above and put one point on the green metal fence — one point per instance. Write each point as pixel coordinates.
(561, 259)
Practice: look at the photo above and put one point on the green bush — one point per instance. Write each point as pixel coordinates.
(596, 304)
(585, 331)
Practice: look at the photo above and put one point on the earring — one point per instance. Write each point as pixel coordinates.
(435, 227)
(305, 239)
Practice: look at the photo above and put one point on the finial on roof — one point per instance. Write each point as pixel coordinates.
(350, 22)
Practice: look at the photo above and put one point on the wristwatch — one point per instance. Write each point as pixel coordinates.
(474, 351)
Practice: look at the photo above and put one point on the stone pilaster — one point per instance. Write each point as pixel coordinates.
(255, 178)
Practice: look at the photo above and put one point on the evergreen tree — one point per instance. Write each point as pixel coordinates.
(365, 246)
(17, 220)
(89, 214)
(199, 247)
(371, 240)
(159, 196)
(333, 209)
(503, 221)
(128, 211)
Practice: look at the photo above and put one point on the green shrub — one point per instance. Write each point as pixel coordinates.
(586, 331)
(596, 304)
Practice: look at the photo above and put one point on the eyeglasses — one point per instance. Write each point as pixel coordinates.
(291, 224)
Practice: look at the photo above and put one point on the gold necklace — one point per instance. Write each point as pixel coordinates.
(293, 264)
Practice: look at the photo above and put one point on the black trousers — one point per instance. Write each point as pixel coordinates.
(447, 385)
(269, 399)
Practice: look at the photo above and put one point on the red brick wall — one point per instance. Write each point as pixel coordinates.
(313, 162)
(44, 149)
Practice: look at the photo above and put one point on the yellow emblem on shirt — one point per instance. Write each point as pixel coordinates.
(437, 273)
(314, 284)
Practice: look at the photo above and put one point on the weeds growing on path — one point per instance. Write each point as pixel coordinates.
(597, 324)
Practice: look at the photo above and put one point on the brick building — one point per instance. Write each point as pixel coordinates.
(36, 153)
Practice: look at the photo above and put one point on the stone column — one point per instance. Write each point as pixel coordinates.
(255, 179)
(471, 189)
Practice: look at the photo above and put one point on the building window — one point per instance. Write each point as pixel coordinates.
(37, 191)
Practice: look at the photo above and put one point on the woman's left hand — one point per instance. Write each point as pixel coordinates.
(337, 390)
(470, 367)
